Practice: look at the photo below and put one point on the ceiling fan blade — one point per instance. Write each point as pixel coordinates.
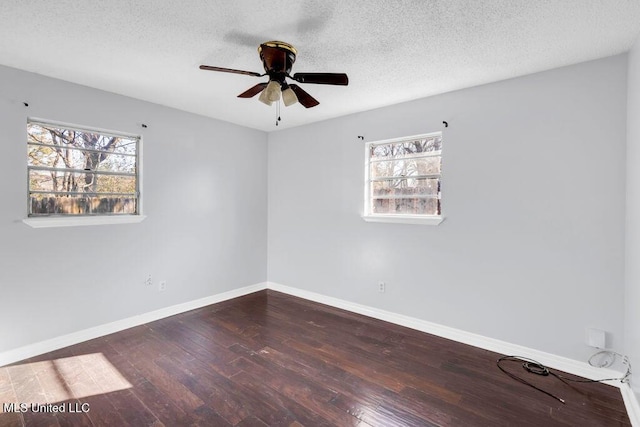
(230, 70)
(304, 98)
(250, 93)
(322, 78)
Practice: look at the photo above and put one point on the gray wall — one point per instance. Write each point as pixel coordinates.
(531, 251)
(632, 296)
(205, 195)
(532, 248)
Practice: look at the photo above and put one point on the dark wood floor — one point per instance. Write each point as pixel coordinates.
(268, 359)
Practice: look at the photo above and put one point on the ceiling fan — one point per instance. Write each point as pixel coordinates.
(278, 58)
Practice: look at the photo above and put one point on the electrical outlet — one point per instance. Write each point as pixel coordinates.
(148, 281)
(381, 287)
(162, 285)
(596, 338)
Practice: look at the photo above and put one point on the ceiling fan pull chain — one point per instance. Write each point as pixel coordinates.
(278, 112)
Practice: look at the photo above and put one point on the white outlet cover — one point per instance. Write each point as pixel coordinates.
(596, 338)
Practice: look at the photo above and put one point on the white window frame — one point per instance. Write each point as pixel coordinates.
(96, 219)
(394, 218)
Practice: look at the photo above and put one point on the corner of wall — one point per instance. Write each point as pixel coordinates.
(632, 223)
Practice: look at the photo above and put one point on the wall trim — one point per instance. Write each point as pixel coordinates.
(631, 403)
(565, 364)
(575, 367)
(46, 346)
(571, 366)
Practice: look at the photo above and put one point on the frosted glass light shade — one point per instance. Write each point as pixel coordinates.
(273, 91)
(264, 98)
(289, 97)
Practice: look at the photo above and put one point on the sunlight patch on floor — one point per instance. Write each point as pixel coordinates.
(61, 379)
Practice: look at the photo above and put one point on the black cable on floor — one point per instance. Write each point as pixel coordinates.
(531, 366)
(538, 368)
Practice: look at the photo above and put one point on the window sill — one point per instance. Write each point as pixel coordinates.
(83, 220)
(405, 219)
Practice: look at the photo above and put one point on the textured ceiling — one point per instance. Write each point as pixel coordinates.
(393, 51)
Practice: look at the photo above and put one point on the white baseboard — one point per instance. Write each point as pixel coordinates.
(575, 367)
(557, 362)
(41, 347)
(631, 403)
(565, 364)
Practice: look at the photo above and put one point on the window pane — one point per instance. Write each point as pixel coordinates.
(406, 167)
(394, 150)
(80, 182)
(406, 187)
(60, 138)
(117, 163)
(42, 156)
(76, 159)
(403, 176)
(42, 181)
(46, 204)
(406, 206)
(96, 171)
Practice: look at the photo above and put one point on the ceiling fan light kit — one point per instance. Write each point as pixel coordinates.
(273, 91)
(277, 59)
(264, 98)
(289, 97)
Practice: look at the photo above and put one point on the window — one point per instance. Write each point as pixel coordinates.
(402, 180)
(76, 172)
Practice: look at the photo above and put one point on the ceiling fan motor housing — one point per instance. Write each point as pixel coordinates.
(277, 58)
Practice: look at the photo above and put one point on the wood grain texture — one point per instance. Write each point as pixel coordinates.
(270, 359)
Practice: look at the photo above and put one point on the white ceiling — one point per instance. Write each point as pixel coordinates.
(393, 51)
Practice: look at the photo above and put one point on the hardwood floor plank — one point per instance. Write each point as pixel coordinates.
(201, 347)
(252, 422)
(307, 393)
(209, 417)
(272, 359)
(26, 386)
(104, 413)
(417, 402)
(5, 379)
(143, 358)
(355, 363)
(143, 390)
(290, 411)
(7, 395)
(403, 418)
(130, 408)
(213, 389)
(330, 376)
(367, 414)
(11, 420)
